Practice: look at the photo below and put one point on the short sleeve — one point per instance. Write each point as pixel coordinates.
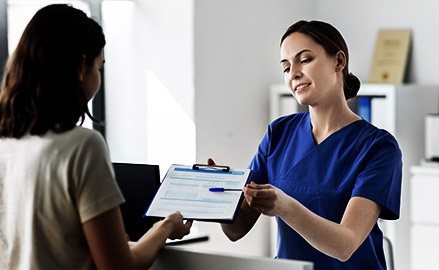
(381, 179)
(258, 164)
(96, 189)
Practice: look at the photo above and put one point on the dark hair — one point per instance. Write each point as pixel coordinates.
(332, 41)
(41, 90)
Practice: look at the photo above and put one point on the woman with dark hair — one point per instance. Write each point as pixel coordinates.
(59, 202)
(327, 174)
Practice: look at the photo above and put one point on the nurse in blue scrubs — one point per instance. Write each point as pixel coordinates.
(327, 175)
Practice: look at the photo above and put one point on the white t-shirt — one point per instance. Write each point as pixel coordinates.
(49, 186)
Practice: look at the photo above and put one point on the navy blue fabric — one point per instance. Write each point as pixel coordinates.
(357, 160)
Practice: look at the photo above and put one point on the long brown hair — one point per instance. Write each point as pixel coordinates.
(41, 90)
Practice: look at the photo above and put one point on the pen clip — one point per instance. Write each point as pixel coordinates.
(211, 167)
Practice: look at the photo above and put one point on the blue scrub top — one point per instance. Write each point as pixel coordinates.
(357, 160)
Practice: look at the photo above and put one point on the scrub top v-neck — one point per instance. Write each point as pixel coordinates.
(357, 160)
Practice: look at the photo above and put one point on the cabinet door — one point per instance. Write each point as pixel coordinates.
(425, 199)
(424, 247)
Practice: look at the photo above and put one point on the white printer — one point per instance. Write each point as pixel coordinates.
(432, 137)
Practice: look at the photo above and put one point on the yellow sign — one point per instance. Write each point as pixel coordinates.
(391, 54)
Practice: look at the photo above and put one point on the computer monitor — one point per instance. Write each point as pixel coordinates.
(138, 183)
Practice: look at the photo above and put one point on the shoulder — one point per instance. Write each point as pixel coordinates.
(291, 120)
(286, 126)
(81, 132)
(79, 136)
(373, 139)
(374, 134)
(78, 141)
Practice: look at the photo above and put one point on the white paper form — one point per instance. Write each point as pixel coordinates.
(187, 190)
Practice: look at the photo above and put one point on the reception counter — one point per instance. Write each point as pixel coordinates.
(189, 259)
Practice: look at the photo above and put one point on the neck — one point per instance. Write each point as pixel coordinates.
(326, 120)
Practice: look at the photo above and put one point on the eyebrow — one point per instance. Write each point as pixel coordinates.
(296, 56)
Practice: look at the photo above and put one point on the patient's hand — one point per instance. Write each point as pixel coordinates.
(179, 227)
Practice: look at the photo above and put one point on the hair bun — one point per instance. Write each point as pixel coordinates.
(351, 86)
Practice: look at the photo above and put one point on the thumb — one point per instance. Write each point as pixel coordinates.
(210, 161)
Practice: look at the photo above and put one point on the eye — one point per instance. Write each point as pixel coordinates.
(286, 70)
(305, 60)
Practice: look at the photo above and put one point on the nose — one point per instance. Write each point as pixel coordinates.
(294, 73)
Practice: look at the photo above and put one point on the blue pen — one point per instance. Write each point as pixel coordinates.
(224, 189)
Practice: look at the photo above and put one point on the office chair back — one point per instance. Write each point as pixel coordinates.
(388, 253)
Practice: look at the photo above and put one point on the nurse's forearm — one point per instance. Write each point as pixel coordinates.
(245, 220)
(339, 241)
(236, 230)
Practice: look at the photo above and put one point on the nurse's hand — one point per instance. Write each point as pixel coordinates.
(210, 161)
(266, 199)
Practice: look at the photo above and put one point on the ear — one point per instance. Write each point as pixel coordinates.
(340, 58)
(82, 68)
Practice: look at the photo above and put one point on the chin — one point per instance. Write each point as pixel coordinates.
(302, 101)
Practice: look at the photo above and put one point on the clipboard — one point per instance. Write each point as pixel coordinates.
(186, 189)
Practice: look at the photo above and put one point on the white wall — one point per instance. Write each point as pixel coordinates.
(149, 81)
(236, 59)
(359, 22)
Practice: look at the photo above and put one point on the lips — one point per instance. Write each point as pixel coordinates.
(301, 86)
